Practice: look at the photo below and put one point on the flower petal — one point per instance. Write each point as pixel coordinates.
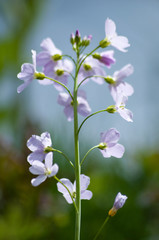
(117, 150)
(87, 195)
(35, 144)
(35, 156)
(120, 43)
(38, 180)
(110, 28)
(37, 168)
(126, 114)
(84, 182)
(49, 160)
(67, 183)
(110, 136)
(54, 170)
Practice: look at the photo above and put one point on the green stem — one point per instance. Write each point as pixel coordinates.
(86, 57)
(77, 156)
(61, 85)
(89, 77)
(58, 180)
(88, 153)
(55, 150)
(98, 233)
(104, 110)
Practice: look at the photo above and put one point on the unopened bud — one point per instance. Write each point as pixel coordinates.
(77, 37)
(96, 56)
(72, 38)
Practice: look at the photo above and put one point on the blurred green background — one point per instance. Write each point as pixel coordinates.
(28, 213)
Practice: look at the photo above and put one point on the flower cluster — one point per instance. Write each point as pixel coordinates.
(56, 69)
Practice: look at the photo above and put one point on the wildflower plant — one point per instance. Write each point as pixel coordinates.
(57, 69)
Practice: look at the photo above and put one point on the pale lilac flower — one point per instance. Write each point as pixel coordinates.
(117, 85)
(89, 68)
(49, 53)
(38, 146)
(118, 203)
(83, 108)
(60, 72)
(27, 73)
(84, 183)
(116, 41)
(43, 170)
(107, 58)
(109, 145)
(120, 108)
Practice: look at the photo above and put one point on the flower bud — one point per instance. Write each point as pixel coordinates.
(104, 43)
(118, 203)
(77, 37)
(72, 38)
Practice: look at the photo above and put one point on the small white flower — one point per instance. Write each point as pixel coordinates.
(44, 170)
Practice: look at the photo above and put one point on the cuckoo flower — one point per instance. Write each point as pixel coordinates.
(118, 203)
(112, 38)
(50, 53)
(109, 145)
(40, 146)
(105, 57)
(60, 72)
(84, 183)
(43, 170)
(89, 68)
(28, 73)
(117, 85)
(83, 108)
(120, 108)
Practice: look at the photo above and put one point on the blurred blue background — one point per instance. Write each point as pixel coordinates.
(23, 26)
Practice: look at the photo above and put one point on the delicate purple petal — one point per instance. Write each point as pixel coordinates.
(38, 180)
(68, 65)
(110, 136)
(87, 195)
(68, 198)
(28, 68)
(84, 182)
(49, 160)
(120, 43)
(110, 28)
(125, 88)
(83, 107)
(45, 82)
(37, 168)
(117, 151)
(67, 183)
(124, 72)
(49, 46)
(34, 143)
(68, 110)
(43, 58)
(54, 170)
(34, 59)
(22, 87)
(63, 99)
(126, 114)
(46, 139)
(82, 93)
(25, 76)
(35, 156)
(105, 153)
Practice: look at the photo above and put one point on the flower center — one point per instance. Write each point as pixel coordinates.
(87, 67)
(47, 171)
(74, 194)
